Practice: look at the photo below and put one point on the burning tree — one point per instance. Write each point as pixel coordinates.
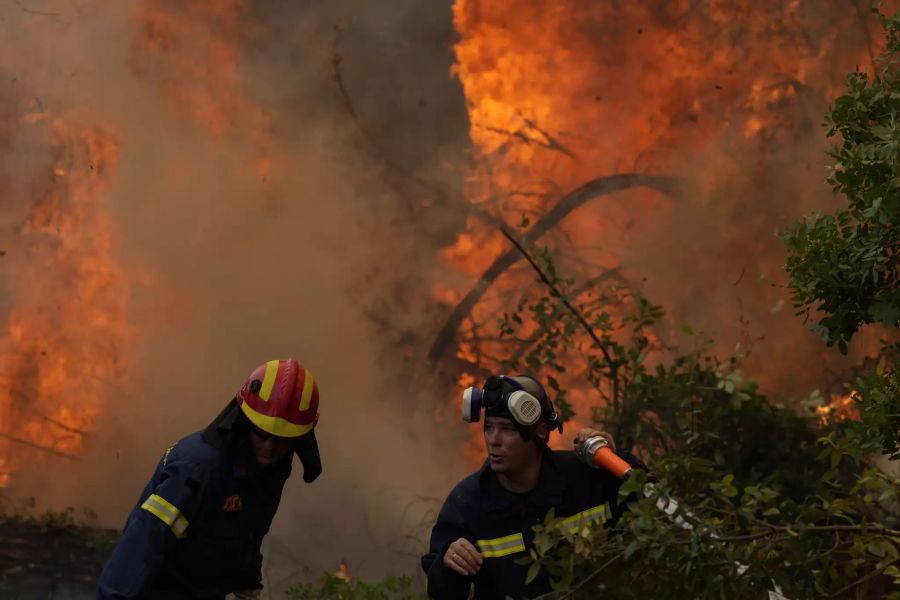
(648, 140)
(770, 498)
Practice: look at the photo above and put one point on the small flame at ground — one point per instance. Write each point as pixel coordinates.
(839, 409)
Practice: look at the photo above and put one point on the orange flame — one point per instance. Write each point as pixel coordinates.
(560, 94)
(839, 409)
(63, 354)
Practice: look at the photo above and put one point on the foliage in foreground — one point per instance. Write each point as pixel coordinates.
(766, 495)
(846, 266)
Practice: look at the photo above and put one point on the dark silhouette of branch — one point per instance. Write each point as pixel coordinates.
(61, 425)
(526, 344)
(31, 444)
(521, 134)
(557, 293)
(592, 189)
(860, 581)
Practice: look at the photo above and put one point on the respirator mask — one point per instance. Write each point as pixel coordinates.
(521, 399)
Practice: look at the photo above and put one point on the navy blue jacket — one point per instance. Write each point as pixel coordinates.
(500, 524)
(196, 530)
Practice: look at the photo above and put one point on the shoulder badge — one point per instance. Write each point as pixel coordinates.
(234, 503)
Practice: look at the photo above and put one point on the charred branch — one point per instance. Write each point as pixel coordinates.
(525, 345)
(592, 189)
(527, 135)
(557, 293)
(30, 444)
(63, 426)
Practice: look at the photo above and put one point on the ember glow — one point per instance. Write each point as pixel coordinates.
(839, 409)
(726, 96)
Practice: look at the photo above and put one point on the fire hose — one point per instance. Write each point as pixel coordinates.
(596, 453)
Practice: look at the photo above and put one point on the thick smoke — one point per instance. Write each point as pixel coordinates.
(261, 210)
(285, 177)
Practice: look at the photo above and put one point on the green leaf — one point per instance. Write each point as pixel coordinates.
(533, 571)
(876, 548)
(630, 549)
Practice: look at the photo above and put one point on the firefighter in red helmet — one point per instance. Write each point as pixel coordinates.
(197, 528)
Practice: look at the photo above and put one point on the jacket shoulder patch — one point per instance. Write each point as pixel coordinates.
(234, 503)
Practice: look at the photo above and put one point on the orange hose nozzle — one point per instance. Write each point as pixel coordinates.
(598, 454)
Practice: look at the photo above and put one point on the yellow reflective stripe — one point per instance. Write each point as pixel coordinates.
(167, 513)
(307, 391)
(586, 517)
(161, 508)
(269, 380)
(502, 546)
(275, 425)
(500, 540)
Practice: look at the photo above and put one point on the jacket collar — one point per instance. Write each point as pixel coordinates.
(223, 432)
(548, 492)
(227, 429)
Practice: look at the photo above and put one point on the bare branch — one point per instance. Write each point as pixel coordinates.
(522, 134)
(860, 581)
(525, 344)
(63, 426)
(604, 346)
(31, 444)
(576, 198)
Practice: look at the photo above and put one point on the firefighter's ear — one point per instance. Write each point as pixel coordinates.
(542, 431)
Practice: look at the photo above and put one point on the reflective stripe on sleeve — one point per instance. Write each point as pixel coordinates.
(167, 513)
(502, 546)
(578, 521)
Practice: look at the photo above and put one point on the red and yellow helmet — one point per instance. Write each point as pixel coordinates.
(281, 398)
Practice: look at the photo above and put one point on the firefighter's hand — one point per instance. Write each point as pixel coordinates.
(463, 557)
(587, 433)
(254, 594)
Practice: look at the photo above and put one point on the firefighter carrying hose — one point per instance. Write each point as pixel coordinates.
(197, 528)
(486, 523)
